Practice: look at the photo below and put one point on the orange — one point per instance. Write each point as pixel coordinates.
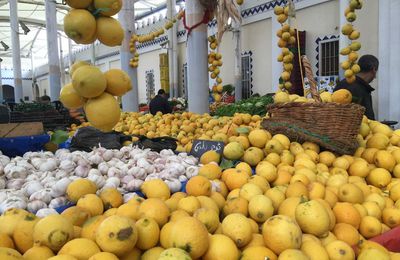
(346, 233)
(235, 179)
(346, 213)
(198, 186)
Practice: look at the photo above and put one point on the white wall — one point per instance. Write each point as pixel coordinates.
(256, 37)
(7, 79)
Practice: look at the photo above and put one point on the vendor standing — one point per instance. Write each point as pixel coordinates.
(160, 103)
(361, 88)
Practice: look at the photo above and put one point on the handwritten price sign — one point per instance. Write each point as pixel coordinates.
(201, 146)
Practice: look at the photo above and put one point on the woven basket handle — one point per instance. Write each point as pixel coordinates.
(310, 77)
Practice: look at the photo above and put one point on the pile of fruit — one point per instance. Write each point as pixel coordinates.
(186, 126)
(91, 20)
(350, 66)
(95, 92)
(38, 181)
(153, 34)
(298, 202)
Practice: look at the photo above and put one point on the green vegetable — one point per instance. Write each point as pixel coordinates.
(253, 106)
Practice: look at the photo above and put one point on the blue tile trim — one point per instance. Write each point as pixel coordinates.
(262, 8)
(317, 41)
(8, 78)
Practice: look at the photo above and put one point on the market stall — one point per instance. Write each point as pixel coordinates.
(279, 176)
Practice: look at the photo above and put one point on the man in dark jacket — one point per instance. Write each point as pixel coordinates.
(361, 88)
(160, 103)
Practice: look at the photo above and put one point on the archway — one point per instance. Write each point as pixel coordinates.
(8, 93)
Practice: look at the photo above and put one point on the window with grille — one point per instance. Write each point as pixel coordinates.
(246, 76)
(150, 92)
(329, 57)
(185, 81)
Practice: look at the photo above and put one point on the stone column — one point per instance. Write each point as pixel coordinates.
(198, 91)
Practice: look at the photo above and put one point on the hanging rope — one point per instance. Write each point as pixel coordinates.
(205, 20)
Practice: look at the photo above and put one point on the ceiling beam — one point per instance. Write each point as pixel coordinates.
(38, 22)
(35, 2)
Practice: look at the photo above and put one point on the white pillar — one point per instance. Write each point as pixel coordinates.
(170, 34)
(389, 59)
(16, 50)
(238, 60)
(62, 70)
(52, 50)
(197, 59)
(130, 101)
(175, 55)
(344, 40)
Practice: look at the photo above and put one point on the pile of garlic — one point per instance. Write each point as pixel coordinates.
(39, 180)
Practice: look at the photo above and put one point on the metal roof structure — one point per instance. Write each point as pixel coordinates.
(32, 28)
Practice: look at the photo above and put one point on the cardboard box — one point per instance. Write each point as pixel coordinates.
(21, 129)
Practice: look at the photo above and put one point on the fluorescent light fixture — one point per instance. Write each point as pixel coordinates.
(24, 27)
(5, 46)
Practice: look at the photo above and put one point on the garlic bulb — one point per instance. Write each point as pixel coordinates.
(13, 172)
(48, 165)
(15, 184)
(58, 202)
(191, 171)
(2, 183)
(43, 195)
(174, 185)
(60, 187)
(114, 172)
(12, 202)
(182, 178)
(127, 178)
(99, 180)
(61, 174)
(129, 196)
(112, 182)
(94, 172)
(95, 159)
(103, 168)
(118, 154)
(134, 185)
(108, 155)
(36, 205)
(4, 160)
(82, 171)
(31, 187)
(67, 165)
(42, 213)
(165, 153)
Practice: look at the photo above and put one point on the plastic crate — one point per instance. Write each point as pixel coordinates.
(18, 146)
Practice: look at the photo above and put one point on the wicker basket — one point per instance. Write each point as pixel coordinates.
(331, 125)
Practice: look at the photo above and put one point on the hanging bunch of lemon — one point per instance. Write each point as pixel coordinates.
(350, 66)
(152, 35)
(96, 93)
(287, 38)
(90, 20)
(215, 62)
